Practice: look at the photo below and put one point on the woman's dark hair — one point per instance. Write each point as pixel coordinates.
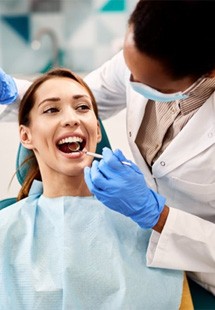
(25, 108)
(180, 34)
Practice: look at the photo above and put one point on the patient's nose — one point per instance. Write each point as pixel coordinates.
(70, 118)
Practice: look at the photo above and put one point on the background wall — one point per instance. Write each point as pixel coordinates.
(78, 34)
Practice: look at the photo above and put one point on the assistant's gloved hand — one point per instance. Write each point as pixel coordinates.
(8, 89)
(123, 189)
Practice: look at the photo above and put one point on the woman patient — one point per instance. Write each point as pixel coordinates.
(60, 248)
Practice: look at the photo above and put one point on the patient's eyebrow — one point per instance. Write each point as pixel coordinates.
(54, 99)
(80, 96)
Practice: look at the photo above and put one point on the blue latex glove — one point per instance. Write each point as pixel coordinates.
(123, 189)
(8, 89)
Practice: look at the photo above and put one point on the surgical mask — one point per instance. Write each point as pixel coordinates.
(153, 94)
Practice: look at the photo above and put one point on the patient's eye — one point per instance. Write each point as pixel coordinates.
(51, 110)
(84, 107)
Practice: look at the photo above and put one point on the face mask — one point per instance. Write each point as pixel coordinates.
(153, 94)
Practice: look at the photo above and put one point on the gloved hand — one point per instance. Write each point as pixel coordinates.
(8, 89)
(122, 188)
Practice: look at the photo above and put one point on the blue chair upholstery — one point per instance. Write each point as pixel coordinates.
(7, 202)
(202, 299)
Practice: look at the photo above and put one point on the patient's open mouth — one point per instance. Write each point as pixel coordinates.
(71, 144)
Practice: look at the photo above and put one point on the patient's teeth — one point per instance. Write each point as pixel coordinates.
(70, 140)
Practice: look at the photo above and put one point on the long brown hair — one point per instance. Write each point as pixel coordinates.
(25, 108)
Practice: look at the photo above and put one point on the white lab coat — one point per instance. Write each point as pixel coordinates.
(184, 174)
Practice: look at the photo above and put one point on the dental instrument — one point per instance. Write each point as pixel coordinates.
(100, 156)
(75, 147)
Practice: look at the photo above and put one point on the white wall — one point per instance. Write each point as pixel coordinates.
(9, 141)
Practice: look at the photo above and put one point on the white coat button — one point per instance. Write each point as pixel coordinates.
(162, 163)
(129, 134)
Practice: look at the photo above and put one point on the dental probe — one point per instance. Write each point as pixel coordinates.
(100, 156)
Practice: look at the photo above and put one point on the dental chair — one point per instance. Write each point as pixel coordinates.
(202, 299)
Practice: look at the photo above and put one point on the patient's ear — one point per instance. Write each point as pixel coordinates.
(99, 133)
(25, 137)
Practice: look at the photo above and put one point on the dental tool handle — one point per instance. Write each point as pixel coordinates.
(125, 163)
(94, 154)
(100, 156)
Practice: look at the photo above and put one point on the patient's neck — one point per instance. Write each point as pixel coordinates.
(65, 186)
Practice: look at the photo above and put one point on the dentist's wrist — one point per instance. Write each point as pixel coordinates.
(162, 220)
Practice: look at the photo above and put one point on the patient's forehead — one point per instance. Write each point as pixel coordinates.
(61, 85)
(62, 88)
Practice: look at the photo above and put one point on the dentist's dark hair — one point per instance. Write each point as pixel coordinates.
(179, 34)
(25, 107)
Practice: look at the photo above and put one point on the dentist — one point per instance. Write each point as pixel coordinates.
(165, 77)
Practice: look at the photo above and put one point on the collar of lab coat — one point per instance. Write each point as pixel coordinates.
(135, 112)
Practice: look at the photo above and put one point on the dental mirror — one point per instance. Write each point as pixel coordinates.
(74, 146)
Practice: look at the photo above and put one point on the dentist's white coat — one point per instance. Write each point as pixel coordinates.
(184, 174)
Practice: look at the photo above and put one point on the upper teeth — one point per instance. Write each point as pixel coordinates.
(70, 140)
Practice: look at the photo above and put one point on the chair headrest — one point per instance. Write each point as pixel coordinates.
(21, 167)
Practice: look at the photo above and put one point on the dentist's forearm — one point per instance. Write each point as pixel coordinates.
(162, 220)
